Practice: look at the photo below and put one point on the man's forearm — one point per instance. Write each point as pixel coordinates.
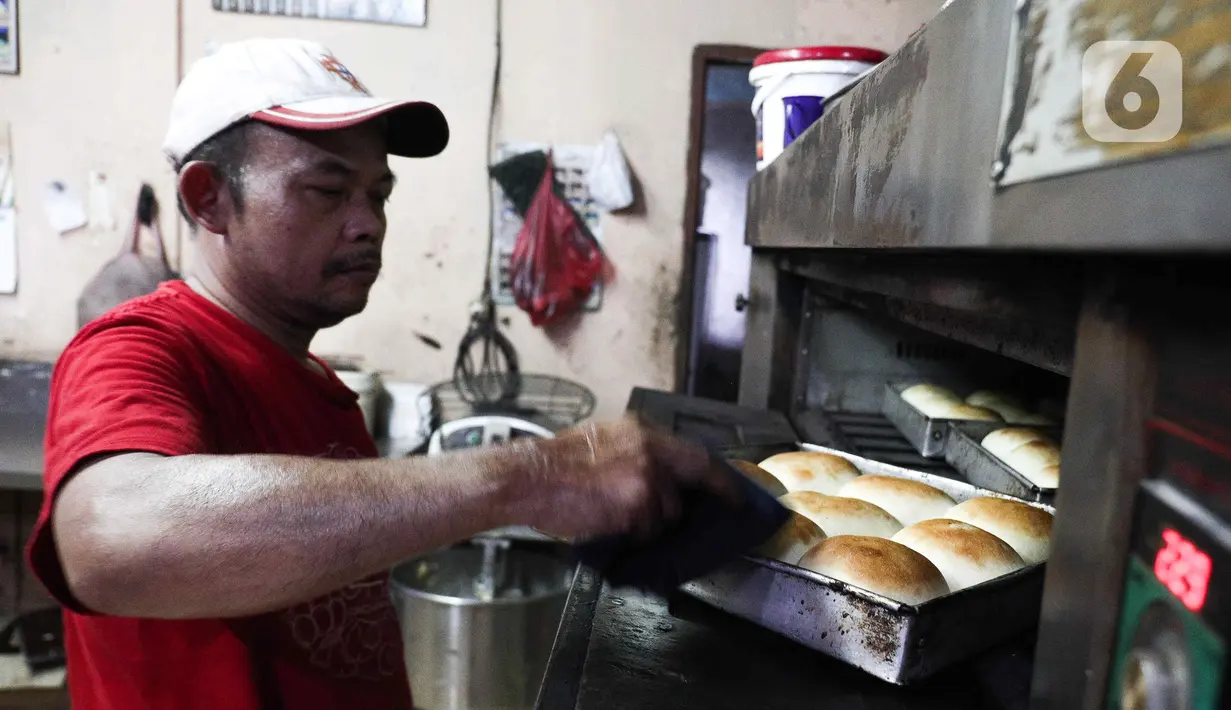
(217, 536)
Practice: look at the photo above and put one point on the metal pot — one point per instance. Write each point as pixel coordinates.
(478, 623)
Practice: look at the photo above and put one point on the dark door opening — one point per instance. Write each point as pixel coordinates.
(722, 159)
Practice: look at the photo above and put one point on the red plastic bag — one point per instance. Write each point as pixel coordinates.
(556, 262)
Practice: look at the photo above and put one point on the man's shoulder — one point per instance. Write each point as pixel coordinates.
(166, 312)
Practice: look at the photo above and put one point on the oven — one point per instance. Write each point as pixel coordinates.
(943, 226)
(950, 220)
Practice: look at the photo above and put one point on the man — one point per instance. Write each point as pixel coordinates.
(216, 523)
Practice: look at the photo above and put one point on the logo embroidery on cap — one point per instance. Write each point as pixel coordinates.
(333, 66)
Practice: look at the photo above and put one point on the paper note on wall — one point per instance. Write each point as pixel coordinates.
(8, 216)
(8, 250)
(65, 210)
(102, 209)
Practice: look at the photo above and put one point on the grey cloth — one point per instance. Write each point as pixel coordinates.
(130, 274)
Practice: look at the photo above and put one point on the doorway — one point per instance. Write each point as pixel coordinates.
(721, 161)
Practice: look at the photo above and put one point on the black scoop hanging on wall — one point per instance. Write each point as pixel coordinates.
(130, 273)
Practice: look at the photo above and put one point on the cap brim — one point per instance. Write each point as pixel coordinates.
(417, 129)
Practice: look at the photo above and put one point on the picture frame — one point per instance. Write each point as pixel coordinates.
(10, 45)
(407, 13)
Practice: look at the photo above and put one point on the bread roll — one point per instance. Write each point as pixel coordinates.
(929, 398)
(1028, 452)
(810, 471)
(929, 392)
(908, 501)
(796, 537)
(963, 553)
(877, 565)
(964, 412)
(1046, 477)
(1035, 454)
(1003, 441)
(842, 516)
(761, 477)
(994, 400)
(1013, 415)
(1025, 528)
(1010, 408)
(1038, 461)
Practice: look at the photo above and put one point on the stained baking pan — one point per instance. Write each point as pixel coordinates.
(926, 434)
(896, 642)
(964, 452)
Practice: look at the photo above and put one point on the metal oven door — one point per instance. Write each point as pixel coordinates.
(720, 425)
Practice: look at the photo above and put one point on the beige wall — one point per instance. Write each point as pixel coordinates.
(98, 77)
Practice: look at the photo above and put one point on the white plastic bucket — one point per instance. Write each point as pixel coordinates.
(367, 386)
(792, 86)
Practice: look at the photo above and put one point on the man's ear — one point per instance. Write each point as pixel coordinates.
(206, 197)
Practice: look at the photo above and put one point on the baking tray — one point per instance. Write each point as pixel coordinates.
(926, 434)
(896, 642)
(983, 468)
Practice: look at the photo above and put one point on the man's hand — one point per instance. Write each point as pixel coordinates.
(617, 478)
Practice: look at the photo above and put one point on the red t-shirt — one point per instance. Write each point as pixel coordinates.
(173, 374)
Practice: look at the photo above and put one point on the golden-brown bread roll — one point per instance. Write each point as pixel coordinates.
(963, 553)
(842, 516)
(1025, 528)
(1046, 477)
(1028, 452)
(810, 471)
(1039, 461)
(908, 501)
(930, 398)
(877, 565)
(761, 477)
(1003, 441)
(792, 540)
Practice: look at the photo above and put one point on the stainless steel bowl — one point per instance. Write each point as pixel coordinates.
(478, 623)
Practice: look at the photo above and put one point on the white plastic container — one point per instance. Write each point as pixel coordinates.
(792, 85)
(409, 417)
(367, 386)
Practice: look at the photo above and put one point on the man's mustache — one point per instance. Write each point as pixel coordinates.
(359, 261)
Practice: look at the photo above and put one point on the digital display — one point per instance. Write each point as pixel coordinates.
(1183, 569)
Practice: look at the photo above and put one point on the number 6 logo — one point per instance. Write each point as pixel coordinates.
(1132, 92)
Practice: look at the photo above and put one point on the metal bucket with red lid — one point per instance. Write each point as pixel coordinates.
(792, 85)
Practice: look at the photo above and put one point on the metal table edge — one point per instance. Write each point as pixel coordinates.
(566, 666)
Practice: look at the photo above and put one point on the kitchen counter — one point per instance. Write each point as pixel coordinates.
(620, 650)
(24, 389)
(21, 451)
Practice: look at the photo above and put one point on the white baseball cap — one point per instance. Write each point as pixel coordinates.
(292, 83)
